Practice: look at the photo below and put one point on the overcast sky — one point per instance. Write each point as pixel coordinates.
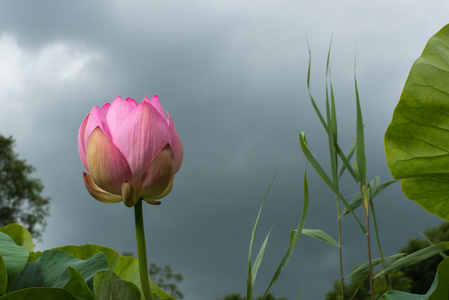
(232, 74)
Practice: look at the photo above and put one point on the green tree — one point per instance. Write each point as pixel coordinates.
(423, 273)
(415, 279)
(166, 279)
(20, 195)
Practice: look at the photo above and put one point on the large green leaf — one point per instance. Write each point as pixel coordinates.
(77, 286)
(3, 276)
(417, 139)
(127, 268)
(40, 293)
(34, 256)
(14, 256)
(20, 235)
(108, 286)
(51, 270)
(439, 289)
(89, 250)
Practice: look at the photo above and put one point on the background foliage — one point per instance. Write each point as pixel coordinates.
(415, 279)
(21, 199)
(237, 296)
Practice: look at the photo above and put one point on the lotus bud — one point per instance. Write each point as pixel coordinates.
(130, 151)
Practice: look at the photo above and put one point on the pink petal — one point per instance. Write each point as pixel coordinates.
(99, 194)
(93, 122)
(81, 145)
(159, 174)
(116, 112)
(176, 144)
(156, 103)
(145, 99)
(131, 101)
(108, 167)
(103, 111)
(141, 135)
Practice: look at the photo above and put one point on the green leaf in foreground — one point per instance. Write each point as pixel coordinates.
(51, 270)
(34, 256)
(417, 139)
(89, 250)
(20, 235)
(77, 286)
(3, 277)
(127, 268)
(108, 286)
(439, 289)
(14, 257)
(40, 293)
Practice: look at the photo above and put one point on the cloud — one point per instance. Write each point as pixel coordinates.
(53, 64)
(30, 79)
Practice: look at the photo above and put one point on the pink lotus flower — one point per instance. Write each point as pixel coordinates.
(132, 151)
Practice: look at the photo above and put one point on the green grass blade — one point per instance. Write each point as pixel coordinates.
(300, 293)
(319, 235)
(365, 267)
(331, 120)
(308, 154)
(288, 254)
(357, 201)
(444, 256)
(250, 282)
(320, 116)
(333, 111)
(345, 162)
(258, 261)
(354, 204)
(376, 181)
(379, 189)
(332, 123)
(360, 142)
(415, 257)
(359, 286)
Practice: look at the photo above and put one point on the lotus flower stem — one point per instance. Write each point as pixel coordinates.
(142, 251)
